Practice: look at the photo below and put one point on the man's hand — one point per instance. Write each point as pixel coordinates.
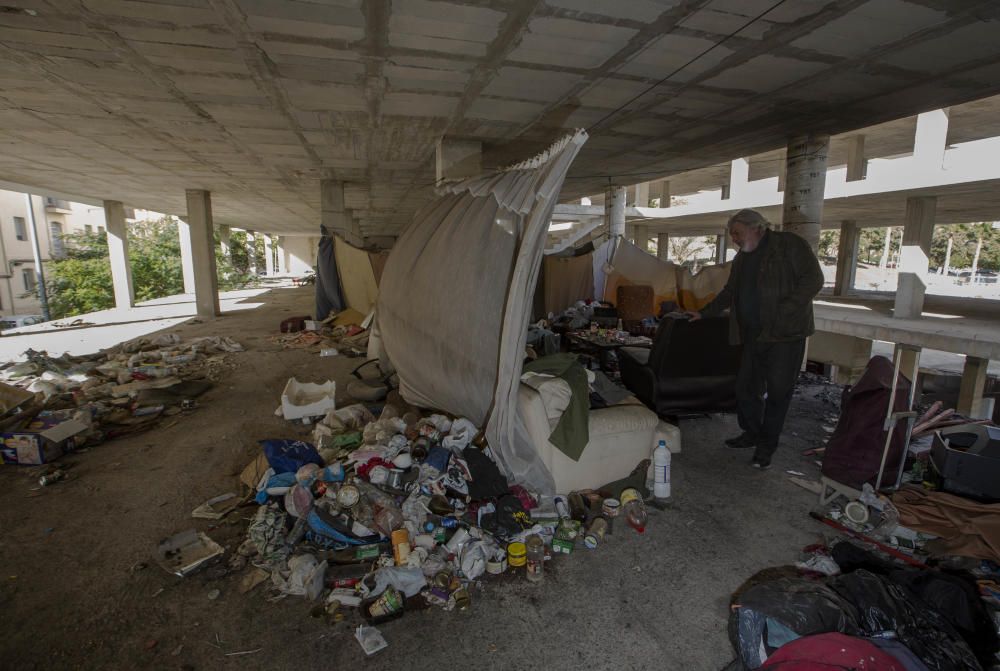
(692, 315)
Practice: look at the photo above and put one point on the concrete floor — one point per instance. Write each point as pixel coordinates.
(79, 589)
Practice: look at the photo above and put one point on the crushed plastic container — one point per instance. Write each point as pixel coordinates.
(306, 399)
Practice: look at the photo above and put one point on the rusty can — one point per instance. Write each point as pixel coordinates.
(462, 598)
(610, 507)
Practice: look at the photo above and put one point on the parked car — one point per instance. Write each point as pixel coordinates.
(17, 321)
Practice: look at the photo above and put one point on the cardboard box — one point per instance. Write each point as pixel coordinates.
(44, 440)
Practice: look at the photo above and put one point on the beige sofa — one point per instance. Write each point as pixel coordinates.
(620, 436)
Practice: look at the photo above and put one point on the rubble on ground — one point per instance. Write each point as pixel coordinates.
(53, 405)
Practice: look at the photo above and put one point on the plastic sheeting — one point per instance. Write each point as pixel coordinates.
(456, 298)
(329, 297)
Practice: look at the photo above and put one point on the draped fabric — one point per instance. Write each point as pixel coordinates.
(567, 280)
(456, 297)
(329, 297)
(670, 282)
(357, 277)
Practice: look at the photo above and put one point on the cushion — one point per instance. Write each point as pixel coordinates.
(638, 354)
(555, 393)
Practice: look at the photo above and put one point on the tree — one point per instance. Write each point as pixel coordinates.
(829, 243)
(81, 282)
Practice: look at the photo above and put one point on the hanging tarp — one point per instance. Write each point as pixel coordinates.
(329, 297)
(456, 297)
(356, 276)
(378, 260)
(567, 280)
(670, 282)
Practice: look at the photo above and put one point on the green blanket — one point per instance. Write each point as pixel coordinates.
(571, 434)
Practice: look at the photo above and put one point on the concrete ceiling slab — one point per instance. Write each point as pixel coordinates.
(259, 99)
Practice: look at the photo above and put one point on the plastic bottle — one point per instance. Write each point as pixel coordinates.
(661, 472)
(634, 509)
(536, 558)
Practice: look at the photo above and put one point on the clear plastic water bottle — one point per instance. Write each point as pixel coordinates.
(661, 472)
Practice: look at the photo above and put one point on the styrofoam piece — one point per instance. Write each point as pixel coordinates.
(306, 399)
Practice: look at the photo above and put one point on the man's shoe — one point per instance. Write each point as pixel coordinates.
(741, 441)
(761, 464)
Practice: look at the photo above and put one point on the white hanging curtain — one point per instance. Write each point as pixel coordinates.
(456, 296)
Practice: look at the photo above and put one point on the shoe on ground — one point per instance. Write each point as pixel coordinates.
(761, 464)
(741, 441)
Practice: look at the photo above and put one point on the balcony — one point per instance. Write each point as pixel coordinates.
(57, 205)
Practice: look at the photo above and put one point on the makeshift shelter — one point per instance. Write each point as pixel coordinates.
(456, 297)
(671, 282)
(348, 277)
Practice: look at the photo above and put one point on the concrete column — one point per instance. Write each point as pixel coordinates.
(721, 247)
(630, 232)
(614, 213)
(931, 139)
(642, 237)
(187, 261)
(660, 190)
(857, 164)
(917, 233)
(252, 253)
(224, 237)
(847, 257)
(335, 217)
(121, 269)
(642, 195)
(458, 159)
(805, 183)
(910, 363)
(268, 256)
(279, 246)
(970, 394)
(206, 283)
(739, 178)
(663, 246)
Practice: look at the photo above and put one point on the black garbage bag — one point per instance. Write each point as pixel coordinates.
(954, 595)
(886, 609)
(768, 615)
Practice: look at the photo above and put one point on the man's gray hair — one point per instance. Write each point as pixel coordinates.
(751, 218)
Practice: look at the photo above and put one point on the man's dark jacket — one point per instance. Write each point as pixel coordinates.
(790, 276)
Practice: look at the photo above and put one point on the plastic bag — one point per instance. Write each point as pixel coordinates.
(408, 580)
(288, 456)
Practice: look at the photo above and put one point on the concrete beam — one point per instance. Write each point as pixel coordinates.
(970, 394)
(931, 138)
(199, 220)
(335, 218)
(918, 231)
(847, 257)
(458, 159)
(121, 269)
(187, 260)
(805, 183)
(848, 354)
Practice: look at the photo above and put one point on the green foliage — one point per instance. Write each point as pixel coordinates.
(81, 282)
(829, 242)
(965, 239)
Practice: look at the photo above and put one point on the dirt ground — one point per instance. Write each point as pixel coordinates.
(79, 588)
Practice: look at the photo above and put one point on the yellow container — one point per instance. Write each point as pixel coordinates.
(517, 554)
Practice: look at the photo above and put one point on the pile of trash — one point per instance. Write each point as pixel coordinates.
(843, 604)
(383, 515)
(53, 405)
(344, 332)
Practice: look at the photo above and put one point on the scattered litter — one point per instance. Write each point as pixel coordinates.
(371, 639)
(214, 594)
(216, 508)
(306, 399)
(184, 552)
(796, 473)
(244, 652)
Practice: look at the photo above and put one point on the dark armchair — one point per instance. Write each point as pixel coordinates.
(691, 367)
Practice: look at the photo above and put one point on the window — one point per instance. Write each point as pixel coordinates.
(28, 275)
(55, 234)
(20, 230)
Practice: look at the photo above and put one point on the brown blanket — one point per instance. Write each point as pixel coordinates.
(966, 528)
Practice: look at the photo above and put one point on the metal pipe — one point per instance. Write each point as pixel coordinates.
(43, 296)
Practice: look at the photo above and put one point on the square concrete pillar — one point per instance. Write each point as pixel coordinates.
(642, 195)
(663, 246)
(335, 217)
(268, 256)
(279, 248)
(224, 241)
(847, 257)
(660, 190)
(121, 269)
(739, 178)
(970, 394)
(857, 164)
(918, 231)
(641, 232)
(187, 260)
(931, 139)
(721, 247)
(202, 234)
(252, 253)
(458, 159)
(614, 212)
